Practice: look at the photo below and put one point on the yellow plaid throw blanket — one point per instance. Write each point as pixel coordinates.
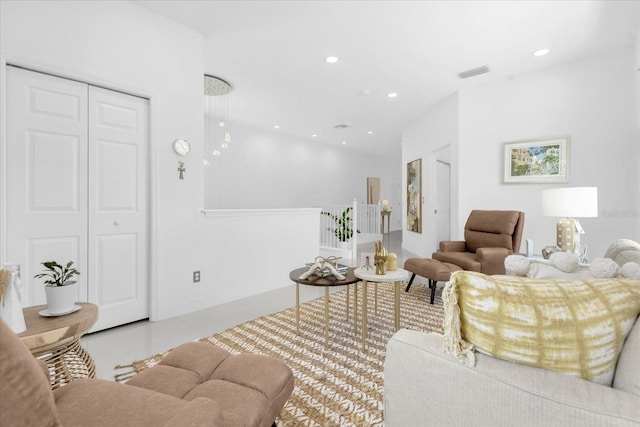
(576, 327)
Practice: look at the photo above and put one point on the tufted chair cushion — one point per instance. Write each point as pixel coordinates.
(198, 369)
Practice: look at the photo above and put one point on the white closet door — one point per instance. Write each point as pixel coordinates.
(77, 189)
(118, 206)
(46, 203)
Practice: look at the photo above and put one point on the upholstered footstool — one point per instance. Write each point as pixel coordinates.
(434, 270)
(250, 389)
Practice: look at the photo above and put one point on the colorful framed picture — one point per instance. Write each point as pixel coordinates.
(543, 160)
(414, 196)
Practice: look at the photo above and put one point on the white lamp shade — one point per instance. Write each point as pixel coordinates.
(576, 202)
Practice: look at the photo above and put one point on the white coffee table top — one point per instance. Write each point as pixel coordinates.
(370, 275)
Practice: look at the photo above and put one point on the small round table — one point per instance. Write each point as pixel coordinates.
(326, 282)
(56, 341)
(369, 275)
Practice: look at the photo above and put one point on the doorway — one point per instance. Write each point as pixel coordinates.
(443, 201)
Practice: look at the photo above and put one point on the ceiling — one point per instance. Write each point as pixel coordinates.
(273, 55)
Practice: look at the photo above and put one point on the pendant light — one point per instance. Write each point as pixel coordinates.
(217, 134)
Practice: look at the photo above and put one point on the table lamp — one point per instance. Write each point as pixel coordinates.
(567, 203)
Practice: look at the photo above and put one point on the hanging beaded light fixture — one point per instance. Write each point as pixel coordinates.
(217, 134)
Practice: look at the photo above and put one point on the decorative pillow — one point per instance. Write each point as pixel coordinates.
(603, 268)
(565, 261)
(628, 370)
(621, 250)
(630, 270)
(575, 327)
(517, 265)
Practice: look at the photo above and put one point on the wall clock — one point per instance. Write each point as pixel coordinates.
(181, 147)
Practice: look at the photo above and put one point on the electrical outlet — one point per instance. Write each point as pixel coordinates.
(196, 276)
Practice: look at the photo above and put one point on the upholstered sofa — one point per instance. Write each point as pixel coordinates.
(519, 351)
(198, 384)
(424, 386)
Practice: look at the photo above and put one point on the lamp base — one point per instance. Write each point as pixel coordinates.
(567, 234)
(568, 231)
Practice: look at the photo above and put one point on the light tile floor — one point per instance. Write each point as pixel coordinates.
(139, 340)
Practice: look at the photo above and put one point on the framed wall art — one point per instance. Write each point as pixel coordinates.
(542, 160)
(414, 196)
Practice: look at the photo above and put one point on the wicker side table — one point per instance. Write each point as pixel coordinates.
(56, 341)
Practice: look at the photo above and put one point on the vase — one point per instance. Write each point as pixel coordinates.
(61, 299)
(345, 246)
(11, 298)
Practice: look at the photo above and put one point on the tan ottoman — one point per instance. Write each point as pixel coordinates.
(250, 389)
(434, 270)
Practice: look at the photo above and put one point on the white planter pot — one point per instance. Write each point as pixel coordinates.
(61, 299)
(345, 246)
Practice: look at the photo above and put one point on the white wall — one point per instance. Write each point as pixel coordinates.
(275, 170)
(637, 91)
(433, 136)
(121, 46)
(591, 100)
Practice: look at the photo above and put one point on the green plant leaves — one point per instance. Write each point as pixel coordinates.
(57, 274)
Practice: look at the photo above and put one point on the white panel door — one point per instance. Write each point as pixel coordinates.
(118, 207)
(77, 189)
(443, 201)
(46, 204)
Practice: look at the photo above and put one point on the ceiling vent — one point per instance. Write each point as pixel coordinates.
(342, 126)
(473, 72)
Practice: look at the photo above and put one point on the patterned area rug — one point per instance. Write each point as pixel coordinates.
(340, 385)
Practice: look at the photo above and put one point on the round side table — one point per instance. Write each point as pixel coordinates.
(56, 341)
(326, 282)
(396, 277)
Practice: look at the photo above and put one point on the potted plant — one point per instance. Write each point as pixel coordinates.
(60, 290)
(343, 230)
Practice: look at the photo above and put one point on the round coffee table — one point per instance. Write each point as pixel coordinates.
(56, 341)
(369, 275)
(326, 282)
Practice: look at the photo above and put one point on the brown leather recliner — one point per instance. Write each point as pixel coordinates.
(197, 385)
(490, 236)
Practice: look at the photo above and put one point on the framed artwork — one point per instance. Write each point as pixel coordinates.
(543, 160)
(414, 196)
(373, 191)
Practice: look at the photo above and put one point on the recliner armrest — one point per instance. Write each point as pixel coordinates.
(453, 246)
(492, 260)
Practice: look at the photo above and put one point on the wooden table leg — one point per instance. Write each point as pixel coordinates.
(375, 298)
(298, 308)
(347, 303)
(397, 304)
(364, 314)
(326, 316)
(355, 309)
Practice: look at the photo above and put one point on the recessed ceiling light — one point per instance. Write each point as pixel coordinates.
(331, 59)
(370, 132)
(392, 94)
(314, 135)
(276, 126)
(541, 52)
(344, 142)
